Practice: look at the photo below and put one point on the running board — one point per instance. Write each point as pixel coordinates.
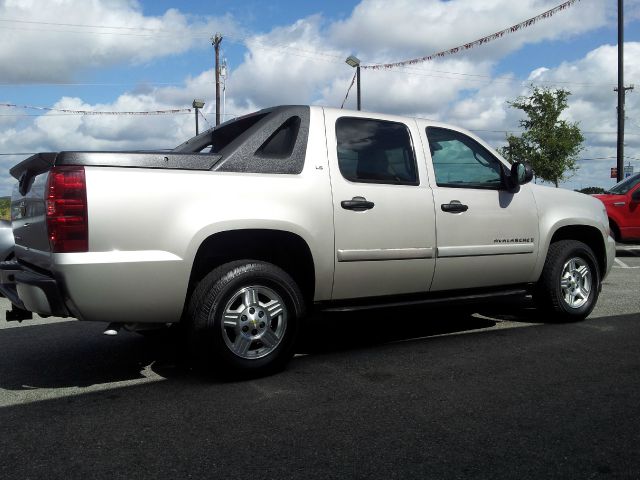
(399, 302)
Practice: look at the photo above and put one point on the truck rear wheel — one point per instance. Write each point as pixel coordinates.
(570, 282)
(244, 319)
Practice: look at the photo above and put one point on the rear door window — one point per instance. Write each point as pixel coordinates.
(375, 151)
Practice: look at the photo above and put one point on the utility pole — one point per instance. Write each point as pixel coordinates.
(621, 92)
(223, 75)
(216, 44)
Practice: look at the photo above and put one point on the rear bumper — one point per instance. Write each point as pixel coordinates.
(114, 286)
(32, 291)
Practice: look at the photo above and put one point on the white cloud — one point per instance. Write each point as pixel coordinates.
(282, 66)
(487, 111)
(36, 47)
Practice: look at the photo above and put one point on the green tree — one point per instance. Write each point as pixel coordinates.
(5, 208)
(549, 144)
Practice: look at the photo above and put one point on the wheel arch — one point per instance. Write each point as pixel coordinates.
(285, 249)
(589, 235)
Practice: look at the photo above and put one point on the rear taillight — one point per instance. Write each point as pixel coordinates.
(66, 197)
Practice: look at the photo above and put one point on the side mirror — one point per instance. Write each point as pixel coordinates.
(635, 196)
(521, 173)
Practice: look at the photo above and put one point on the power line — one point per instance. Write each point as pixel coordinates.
(494, 79)
(290, 50)
(203, 116)
(113, 29)
(84, 32)
(84, 25)
(171, 32)
(88, 84)
(488, 79)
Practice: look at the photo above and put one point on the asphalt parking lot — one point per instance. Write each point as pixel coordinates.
(429, 393)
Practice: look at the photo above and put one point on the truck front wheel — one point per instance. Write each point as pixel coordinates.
(243, 319)
(570, 282)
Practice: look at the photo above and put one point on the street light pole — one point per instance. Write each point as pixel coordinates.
(358, 85)
(353, 61)
(197, 104)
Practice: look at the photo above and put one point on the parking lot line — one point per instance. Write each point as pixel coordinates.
(621, 263)
(29, 394)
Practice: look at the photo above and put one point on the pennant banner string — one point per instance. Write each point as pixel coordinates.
(475, 43)
(93, 112)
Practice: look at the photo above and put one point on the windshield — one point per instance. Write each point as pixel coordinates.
(625, 185)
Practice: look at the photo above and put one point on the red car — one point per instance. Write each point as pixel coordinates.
(623, 207)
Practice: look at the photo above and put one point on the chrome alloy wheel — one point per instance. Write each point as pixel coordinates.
(254, 322)
(576, 282)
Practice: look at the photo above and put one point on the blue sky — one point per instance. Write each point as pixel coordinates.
(128, 55)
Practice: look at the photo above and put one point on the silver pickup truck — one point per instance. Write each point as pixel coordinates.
(242, 230)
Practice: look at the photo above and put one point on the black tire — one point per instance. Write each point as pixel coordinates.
(555, 292)
(262, 339)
